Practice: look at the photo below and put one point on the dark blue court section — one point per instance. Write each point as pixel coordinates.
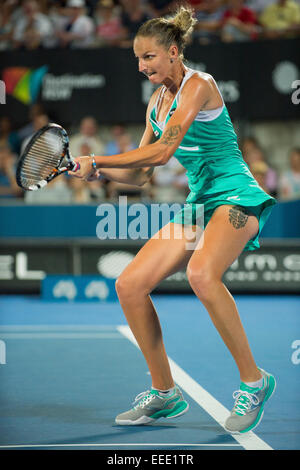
(68, 372)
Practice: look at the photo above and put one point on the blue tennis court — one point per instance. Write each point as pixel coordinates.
(67, 369)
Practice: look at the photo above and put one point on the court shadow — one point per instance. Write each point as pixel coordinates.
(82, 418)
(120, 432)
(219, 436)
(210, 427)
(62, 413)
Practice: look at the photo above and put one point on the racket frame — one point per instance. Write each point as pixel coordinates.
(58, 170)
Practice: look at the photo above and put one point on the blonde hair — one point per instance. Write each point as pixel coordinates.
(175, 29)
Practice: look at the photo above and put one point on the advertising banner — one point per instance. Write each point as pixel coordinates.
(258, 80)
(275, 268)
(78, 288)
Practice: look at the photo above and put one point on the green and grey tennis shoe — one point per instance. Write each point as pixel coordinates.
(249, 405)
(150, 406)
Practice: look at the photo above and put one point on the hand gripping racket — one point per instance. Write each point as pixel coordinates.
(45, 157)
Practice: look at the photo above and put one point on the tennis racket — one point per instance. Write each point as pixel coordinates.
(45, 157)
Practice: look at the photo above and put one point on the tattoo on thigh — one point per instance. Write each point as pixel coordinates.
(169, 137)
(238, 216)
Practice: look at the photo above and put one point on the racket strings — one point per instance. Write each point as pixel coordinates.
(44, 156)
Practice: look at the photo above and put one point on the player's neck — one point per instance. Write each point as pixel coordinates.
(173, 83)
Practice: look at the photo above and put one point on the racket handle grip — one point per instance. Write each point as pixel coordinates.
(74, 166)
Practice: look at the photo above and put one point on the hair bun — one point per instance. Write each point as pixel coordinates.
(175, 29)
(184, 20)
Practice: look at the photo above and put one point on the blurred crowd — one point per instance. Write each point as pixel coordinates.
(32, 24)
(168, 183)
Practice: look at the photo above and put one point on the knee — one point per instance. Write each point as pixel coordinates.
(124, 286)
(202, 280)
(129, 285)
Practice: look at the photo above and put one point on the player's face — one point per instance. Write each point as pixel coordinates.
(154, 60)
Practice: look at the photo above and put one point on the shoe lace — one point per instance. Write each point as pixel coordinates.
(142, 399)
(244, 401)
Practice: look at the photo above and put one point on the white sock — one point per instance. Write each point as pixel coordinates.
(164, 393)
(257, 384)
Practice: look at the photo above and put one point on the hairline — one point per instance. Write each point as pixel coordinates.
(159, 43)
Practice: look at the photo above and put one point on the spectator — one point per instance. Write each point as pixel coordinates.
(78, 32)
(6, 24)
(119, 138)
(8, 185)
(209, 17)
(253, 156)
(33, 29)
(55, 192)
(158, 8)
(198, 5)
(257, 5)
(91, 6)
(289, 182)
(84, 192)
(24, 132)
(247, 145)
(281, 19)
(116, 189)
(169, 182)
(132, 17)
(80, 191)
(44, 6)
(58, 17)
(259, 170)
(7, 137)
(108, 24)
(18, 11)
(39, 121)
(133, 193)
(239, 23)
(88, 134)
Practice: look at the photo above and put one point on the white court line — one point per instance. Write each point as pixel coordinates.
(59, 332)
(66, 335)
(56, 327)
(118, 445)
(212, 406)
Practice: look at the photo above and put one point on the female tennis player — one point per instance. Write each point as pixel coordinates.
(189, 118)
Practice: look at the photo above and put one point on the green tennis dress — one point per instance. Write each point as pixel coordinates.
(216, 171)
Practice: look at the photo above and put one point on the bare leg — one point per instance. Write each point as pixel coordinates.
(158, 259)
(223, 240)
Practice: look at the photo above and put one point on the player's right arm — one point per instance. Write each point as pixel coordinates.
(134, 176)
